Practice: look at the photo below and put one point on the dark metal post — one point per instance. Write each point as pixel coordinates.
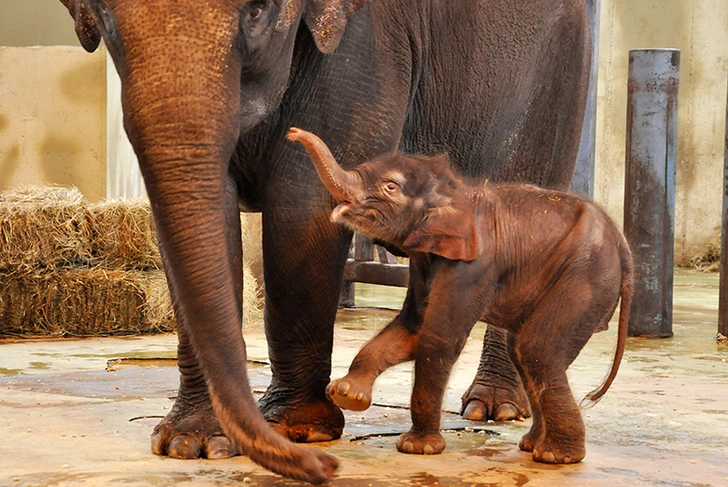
(583, 180)
(723, 294)
(649, 202)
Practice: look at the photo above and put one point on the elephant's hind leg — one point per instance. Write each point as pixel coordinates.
(496, 392)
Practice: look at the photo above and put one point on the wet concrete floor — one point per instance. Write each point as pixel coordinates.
(80, 412)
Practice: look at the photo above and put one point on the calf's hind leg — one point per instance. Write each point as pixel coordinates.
(542, 349)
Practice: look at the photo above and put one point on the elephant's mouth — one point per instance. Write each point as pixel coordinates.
(341, 210)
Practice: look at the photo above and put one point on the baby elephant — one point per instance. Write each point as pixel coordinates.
(547, 266)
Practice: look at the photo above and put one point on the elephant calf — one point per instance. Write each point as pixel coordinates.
(547, 266)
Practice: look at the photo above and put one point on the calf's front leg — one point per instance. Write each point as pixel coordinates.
(395, 344)
(452, 310)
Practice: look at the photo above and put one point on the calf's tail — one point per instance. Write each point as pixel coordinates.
(625, 295)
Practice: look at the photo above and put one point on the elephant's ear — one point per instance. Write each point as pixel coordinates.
(326, 19)
(447, 231)
(86, 29)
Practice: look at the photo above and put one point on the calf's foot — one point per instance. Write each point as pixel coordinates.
(191, 432)
(351, 393)
(421, 443)
(559, 453)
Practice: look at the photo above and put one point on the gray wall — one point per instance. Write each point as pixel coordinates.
(35, 23)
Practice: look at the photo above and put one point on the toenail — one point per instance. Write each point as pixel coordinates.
(318, 436)
(343, 387)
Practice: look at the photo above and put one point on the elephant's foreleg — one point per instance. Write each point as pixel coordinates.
(191, 429)
(451, 312)
(304, 257)
(395, 344)
(496, 392)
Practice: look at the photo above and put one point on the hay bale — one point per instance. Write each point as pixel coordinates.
(43, 227)
(83, 302)
(252, 298)
(709, 259)
(123, 235)
(72, 269)
(158, 312)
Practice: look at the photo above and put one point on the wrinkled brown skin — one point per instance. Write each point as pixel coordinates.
(546, 266)
(209, 89)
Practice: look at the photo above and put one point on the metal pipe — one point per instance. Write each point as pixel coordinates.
(723, 293)
(649, 202)
(583, 180)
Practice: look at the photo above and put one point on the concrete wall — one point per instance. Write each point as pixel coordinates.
(60, 108)
(35, 23)
(699, 28)
(53, 118)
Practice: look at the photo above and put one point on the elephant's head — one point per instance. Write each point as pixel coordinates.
(413, 202)
(231, 57)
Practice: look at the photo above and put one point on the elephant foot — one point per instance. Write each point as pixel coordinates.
(305, 421)
(349, 393)
(483, 402)
(556, 453)
(421, 444)
(528, 442)
(189, 432)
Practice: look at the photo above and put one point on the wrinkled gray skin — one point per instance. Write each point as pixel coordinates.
(546, 266)
(209, 89)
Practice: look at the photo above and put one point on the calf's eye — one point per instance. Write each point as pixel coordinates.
(391, 187)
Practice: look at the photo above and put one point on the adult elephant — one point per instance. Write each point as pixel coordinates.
(209, 90)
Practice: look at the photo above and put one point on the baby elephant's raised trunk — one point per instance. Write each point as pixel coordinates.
(343, 185)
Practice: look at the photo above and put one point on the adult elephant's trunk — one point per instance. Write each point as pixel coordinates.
(343, 185)
(183, 115)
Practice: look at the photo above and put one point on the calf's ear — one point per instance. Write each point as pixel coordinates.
(85, 24)
(449, 232)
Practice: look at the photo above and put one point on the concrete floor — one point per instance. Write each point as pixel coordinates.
(67, 421)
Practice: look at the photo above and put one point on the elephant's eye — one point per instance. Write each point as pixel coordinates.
(390, 187)
(255, 19)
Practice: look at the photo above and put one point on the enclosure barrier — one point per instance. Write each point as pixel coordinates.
(583, 180)
(649, 202)
(361, 267)
(723, 293)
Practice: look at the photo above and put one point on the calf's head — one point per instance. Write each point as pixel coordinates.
(412, 201)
